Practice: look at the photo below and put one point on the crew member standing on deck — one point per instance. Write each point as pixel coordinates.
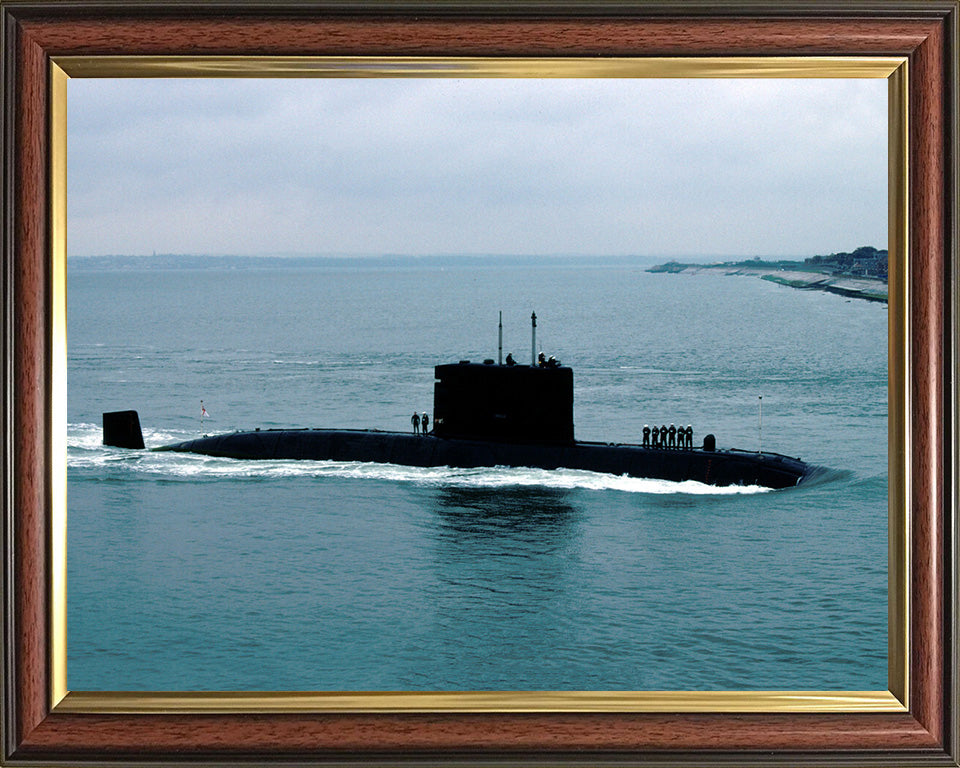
(415, 420)
(424, 421)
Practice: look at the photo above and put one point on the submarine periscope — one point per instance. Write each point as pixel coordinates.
(497, 414)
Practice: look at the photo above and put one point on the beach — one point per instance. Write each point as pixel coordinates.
(854, 287)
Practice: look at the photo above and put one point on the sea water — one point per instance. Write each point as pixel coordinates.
(196, 573)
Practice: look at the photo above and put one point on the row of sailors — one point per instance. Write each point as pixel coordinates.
(668, 437)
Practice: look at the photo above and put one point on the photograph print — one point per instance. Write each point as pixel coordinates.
(477, 384)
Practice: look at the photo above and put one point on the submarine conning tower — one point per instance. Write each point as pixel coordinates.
(506, 403)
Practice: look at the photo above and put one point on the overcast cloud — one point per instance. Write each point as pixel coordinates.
(411, 166)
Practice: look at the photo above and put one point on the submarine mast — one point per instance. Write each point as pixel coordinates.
(533, 343)
(760, 426)
(500, 340)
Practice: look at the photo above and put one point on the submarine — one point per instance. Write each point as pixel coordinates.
(491, 414)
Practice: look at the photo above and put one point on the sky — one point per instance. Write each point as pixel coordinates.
(649, 167)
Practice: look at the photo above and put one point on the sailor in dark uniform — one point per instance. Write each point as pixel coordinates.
(510, 360)
(656, 437)
(415, 420)
(646, 436)
(689, 436)
(424, 421)
(673, 437)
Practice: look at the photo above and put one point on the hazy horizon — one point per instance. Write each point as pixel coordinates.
(454, 257)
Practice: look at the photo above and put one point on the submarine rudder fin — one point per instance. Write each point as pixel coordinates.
(121, 429)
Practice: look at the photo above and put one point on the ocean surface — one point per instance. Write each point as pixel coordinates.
(194, 573)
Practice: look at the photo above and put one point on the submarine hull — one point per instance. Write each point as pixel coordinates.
(719, 467)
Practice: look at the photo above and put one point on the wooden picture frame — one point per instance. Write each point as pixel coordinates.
(38, 729)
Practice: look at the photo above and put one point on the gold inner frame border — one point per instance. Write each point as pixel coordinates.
(895, 699)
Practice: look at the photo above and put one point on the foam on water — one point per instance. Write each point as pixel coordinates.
(87, 453)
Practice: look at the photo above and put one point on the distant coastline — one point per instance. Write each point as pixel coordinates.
(817, 274)
(168, 261)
